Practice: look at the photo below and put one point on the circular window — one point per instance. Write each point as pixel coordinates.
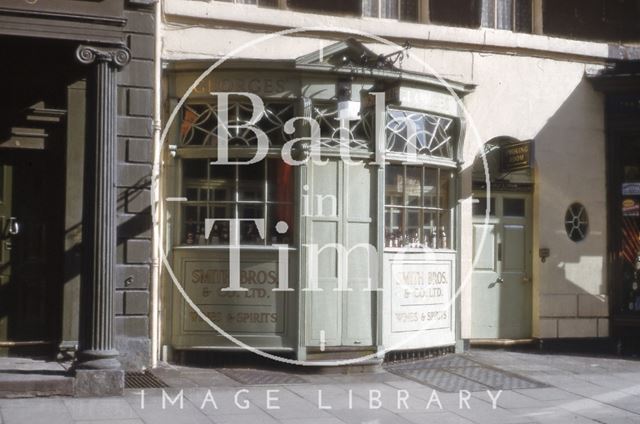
(576, 222)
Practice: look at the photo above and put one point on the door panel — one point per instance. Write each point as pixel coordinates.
(515, 240)
(361, 260)
(485, 291)
(341, 227)
(486, 259)
(501, 295)
(29, 267)
(6, 176)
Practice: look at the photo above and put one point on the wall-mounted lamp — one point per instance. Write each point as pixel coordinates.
(544, 253)
(347, 109)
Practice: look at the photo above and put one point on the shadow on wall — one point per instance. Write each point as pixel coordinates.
(571, 286)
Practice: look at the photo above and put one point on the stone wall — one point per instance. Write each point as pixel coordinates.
(135, 147)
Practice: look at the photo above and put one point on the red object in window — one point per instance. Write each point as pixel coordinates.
(188, 120)
(284, 182)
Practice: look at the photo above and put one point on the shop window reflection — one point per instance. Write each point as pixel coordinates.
(261, 191)
(417, 209)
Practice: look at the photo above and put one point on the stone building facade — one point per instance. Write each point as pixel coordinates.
(75, 157)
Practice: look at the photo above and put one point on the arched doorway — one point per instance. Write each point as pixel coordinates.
(502, 275)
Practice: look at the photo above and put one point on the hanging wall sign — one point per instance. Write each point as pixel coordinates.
(517, 156)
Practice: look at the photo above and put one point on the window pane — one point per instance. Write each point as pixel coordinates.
(463, 13)
(412, 230)
(251, 182)
(430, 188)
(524, 16)
(390, 9)
(280, 181)
(370, 8)
(480, 206)
(194, 217)
(444, 232)
(410, 10)
(393, 227)
(488, 19)
(249, 233)
(220, 230)
(504, 14)
(514, 207)
(351, 7)
(194, 168)
(429, 229)
(413, 185)
(394, 187)
(222, 183)
(280, 213)
(445, 182)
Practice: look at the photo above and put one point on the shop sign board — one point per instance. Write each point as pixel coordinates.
(263, 84)
(421, 296)
(515, 157)
(255, 311)
(426, 100)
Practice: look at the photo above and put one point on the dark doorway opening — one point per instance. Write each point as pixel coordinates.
(32, 193)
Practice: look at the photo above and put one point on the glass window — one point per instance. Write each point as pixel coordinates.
(350, 7)
(417, 208)
(420, 134)
(258, 191)
(459, 13)
(480, 206)
(513, 207)
(513, 15)
(404, 10)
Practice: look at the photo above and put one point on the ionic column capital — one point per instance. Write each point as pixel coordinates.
(118, 56)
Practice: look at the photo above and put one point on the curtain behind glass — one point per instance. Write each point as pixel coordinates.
(370, 8)
(524, 16)
(488, 14)
(410, 10)
(389, 9)
(504, 14)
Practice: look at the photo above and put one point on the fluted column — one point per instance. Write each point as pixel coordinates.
(97, 349)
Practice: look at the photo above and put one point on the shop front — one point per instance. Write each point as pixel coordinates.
(340, 235)
(75, 100)
(621, 84)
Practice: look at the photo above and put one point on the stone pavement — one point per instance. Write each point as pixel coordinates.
(567, 389)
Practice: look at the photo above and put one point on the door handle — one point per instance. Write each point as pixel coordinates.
(526, 279)
(14, 226)
(499, 280)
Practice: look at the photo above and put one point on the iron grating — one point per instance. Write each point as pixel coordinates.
(453, 373)
(262, 377)
(142, 380)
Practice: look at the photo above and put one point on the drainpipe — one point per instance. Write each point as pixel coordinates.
(155, 186)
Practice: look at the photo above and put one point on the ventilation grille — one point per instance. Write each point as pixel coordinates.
(417, 354)
(143, 380)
